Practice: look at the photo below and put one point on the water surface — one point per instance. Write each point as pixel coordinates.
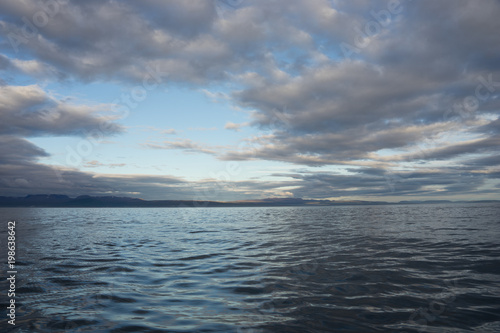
(399, 268)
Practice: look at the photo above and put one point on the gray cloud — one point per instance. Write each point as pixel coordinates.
(29, 111)
(22, 177)
(485, 161)
(488, 145)
(378, 183)
(423, 76)
(187, 41)
(16, 150)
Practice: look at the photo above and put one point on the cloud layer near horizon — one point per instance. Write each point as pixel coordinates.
(402, 96)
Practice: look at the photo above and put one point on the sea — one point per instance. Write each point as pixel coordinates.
(385, 268)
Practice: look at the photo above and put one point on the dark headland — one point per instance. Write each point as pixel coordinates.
(58, 200)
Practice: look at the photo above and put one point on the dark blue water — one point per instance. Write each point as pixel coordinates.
(415, 268)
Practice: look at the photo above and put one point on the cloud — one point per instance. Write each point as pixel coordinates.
(477, 146)
(30, 111)
(215, 97)
(32, 178)
(351, 111)
(168, 131)
(378, 183)
(186, 145)
(488, 161)
(14, 150)
(42, 179)
(185, 41)
(95, 164)
(35, 68)
(235, 127)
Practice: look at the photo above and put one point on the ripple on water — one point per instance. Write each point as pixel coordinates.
(285, 269)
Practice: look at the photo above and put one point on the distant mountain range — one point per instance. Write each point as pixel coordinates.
(57, 200)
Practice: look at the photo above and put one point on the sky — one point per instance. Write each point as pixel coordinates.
(247, 99)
